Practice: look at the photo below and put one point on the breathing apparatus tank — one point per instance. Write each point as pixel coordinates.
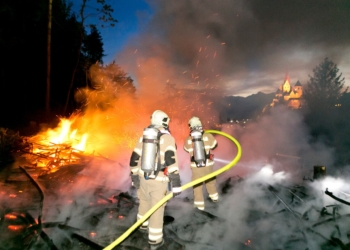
(199, 154)
(149, 151)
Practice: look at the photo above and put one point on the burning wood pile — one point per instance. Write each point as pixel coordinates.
(55, 148)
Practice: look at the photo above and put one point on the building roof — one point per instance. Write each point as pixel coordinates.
(298, 83)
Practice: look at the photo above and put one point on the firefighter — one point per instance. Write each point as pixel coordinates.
(198, 144)
(153, 165)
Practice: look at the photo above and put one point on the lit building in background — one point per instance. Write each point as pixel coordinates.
(292, 96)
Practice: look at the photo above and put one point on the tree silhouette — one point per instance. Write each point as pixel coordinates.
(23, 27)
(327, 120)
(23, 50)
(105, 15)
(93, 47)
(325, 87)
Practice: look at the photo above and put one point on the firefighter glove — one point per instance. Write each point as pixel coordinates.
(175, 183)
(135, 181)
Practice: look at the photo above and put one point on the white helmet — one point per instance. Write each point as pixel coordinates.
(159, 118)
(194, 122)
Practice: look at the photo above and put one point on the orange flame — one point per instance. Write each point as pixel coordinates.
(64, 134)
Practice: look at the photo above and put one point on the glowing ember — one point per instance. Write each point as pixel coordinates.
(15, 227)
(10, 217)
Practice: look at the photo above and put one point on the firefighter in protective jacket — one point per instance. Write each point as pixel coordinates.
(153, 165)
(198, 144)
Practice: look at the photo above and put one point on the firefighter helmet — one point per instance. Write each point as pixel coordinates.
(159, 118)
(194, 122)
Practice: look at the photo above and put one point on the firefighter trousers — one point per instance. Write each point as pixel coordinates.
(149, 194)
(198, 189)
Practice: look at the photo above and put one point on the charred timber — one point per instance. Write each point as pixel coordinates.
(336, 198)
(273, 191)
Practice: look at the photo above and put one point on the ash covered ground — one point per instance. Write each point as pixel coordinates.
(262, 210)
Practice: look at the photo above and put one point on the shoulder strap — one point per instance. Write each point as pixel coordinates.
(160, 133)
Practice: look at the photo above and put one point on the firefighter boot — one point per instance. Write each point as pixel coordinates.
(157, 246)
(143, 229)
(214, 197)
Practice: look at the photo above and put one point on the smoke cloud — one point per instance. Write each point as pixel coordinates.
(242, 46)
(280, 138)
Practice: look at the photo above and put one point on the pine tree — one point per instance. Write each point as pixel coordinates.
(326, 120)
(325, 87)
(93, 46)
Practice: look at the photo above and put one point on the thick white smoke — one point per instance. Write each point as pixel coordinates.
(267, 210)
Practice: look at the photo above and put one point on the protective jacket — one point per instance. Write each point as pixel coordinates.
(198, 172)
(152, 190)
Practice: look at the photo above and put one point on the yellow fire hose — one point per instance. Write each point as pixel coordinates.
(184, 187)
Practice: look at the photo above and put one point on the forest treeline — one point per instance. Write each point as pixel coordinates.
(74, 48)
